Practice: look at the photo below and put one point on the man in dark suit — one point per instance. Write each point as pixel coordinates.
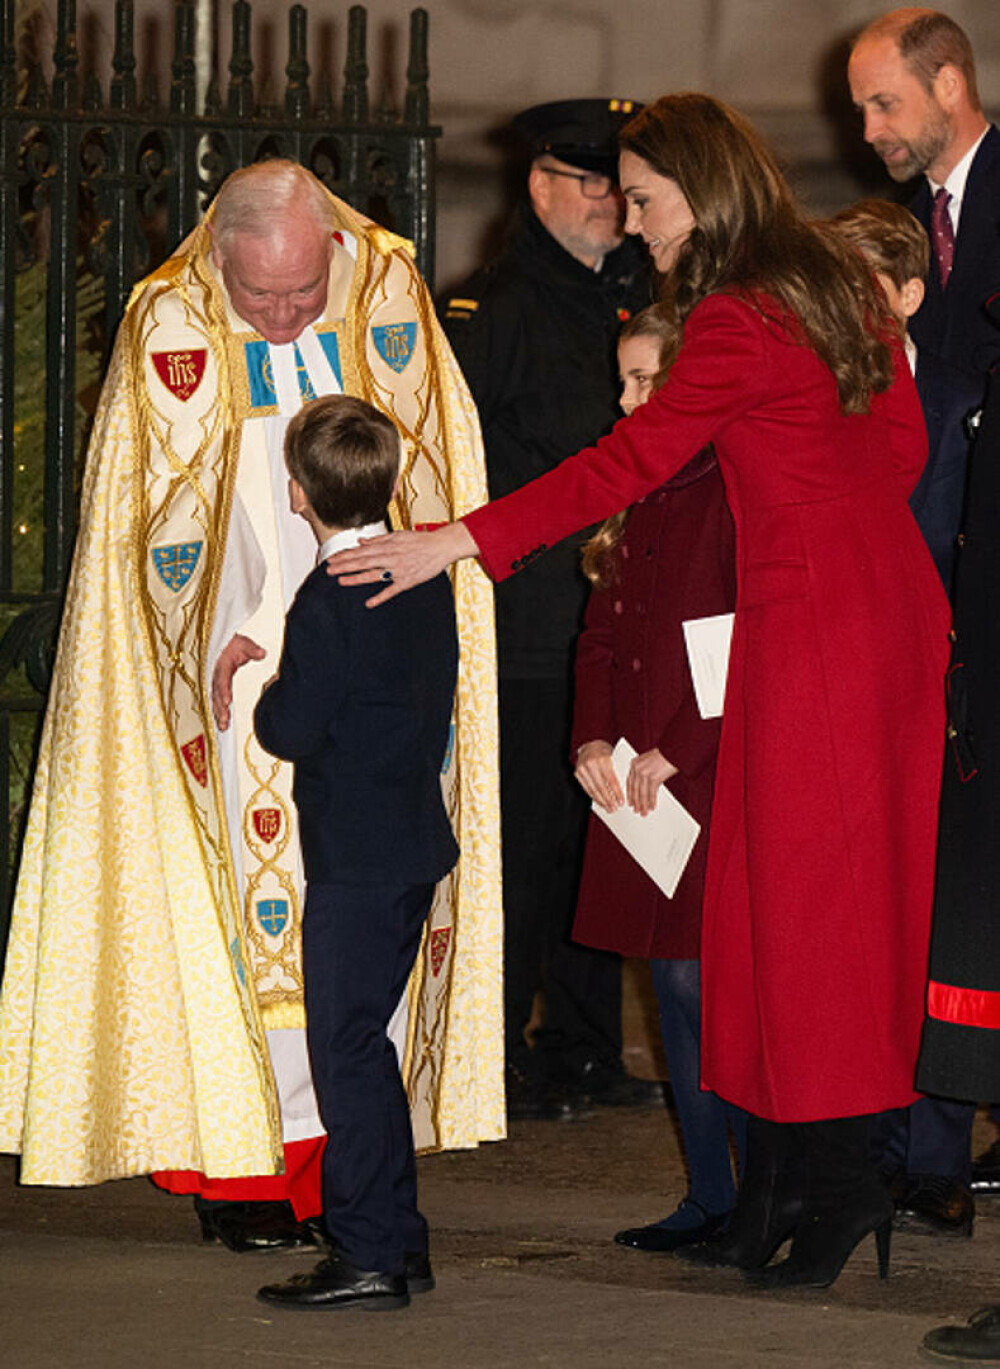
(912, 74)
(361, 705)
(960, 1053)
(913, 77)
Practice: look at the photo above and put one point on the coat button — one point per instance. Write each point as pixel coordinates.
(961, 539)
(636, 664)
(619, 607)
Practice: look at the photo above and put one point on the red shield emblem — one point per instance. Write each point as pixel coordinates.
(267, 823)
(181, 372)
(440, 940)
(194, 753)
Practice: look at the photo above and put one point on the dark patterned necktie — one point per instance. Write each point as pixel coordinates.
(942, 235)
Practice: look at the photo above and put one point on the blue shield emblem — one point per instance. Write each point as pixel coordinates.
(394, 343)
(175, 565)
(272, 914)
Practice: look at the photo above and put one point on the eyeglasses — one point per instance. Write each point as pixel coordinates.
(593, 186)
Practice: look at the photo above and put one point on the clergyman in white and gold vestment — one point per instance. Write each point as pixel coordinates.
(151, 1015)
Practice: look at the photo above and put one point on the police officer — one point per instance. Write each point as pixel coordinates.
(535, 335)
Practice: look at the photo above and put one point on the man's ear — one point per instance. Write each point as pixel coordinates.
(949, 86)
(539, 189)
(911, 296)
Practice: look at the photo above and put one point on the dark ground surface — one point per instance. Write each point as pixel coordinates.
(527, 1275)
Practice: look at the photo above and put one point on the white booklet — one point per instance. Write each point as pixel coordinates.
(707, 641)
(663, 840)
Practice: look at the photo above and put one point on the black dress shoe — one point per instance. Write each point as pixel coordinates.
(532, 1097)
(419, 1275)
(986, 1172)
(335, 1282)
(932, 1205)
(662, 1238)
(255, 1226)
(977, 1341)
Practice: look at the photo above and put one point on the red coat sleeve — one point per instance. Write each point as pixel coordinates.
(720, 373)
(593, 703)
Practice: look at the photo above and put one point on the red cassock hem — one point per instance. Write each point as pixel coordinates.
(964, 1007)
(301, 1184)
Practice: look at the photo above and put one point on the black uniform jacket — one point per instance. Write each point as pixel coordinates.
(362, 706)
(535, 335)
(953, 322)
(960, 1057)
(948, 398)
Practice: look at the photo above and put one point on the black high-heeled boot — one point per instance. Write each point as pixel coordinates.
(845, 1203)
(769, 1203)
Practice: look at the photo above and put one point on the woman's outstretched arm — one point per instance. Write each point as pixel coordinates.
(402, 559)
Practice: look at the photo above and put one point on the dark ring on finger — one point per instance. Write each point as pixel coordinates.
(385, 575)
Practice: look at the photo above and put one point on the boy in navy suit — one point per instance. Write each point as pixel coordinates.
(896, 247)
(924, 1150)
(361, 705)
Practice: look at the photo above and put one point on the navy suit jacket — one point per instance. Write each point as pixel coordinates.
(362, 706)
(953, 322)
(948, 396)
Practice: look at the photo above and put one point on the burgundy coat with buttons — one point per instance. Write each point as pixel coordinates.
(821, 855)
(675, 561)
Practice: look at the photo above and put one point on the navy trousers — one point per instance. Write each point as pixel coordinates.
(705, 1119)
(359, 943)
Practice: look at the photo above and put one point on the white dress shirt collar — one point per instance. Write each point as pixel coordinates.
(349, 537)
(955, 181)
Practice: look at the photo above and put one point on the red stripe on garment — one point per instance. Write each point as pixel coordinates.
(964, 1007)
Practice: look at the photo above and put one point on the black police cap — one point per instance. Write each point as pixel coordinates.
(583, 133)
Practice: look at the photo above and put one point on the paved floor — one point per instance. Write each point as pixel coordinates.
(115, 1277)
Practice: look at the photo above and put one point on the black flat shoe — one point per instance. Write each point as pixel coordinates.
(824, 1243)
(977, 1342)
(419, 1275)
(336, 1283)
(243, 1227)
(661, 1238)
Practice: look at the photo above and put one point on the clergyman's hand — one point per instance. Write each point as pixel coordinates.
(400, 560)
(237, 652)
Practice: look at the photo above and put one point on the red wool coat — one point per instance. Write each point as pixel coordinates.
(821, 855)
(675, 561)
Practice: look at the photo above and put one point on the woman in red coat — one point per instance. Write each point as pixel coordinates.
(667, 559)
(820, 863)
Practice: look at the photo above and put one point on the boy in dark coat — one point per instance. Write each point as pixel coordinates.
(361, 705)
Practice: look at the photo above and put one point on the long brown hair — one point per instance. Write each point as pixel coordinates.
(600, 564)
(751, 236)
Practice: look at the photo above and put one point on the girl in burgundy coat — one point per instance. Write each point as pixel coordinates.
(669, 558)
(821, 858)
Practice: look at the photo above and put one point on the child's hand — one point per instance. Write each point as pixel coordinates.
(646, 773)
(597, 775)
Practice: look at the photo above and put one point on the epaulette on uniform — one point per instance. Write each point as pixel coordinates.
(461, 308)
